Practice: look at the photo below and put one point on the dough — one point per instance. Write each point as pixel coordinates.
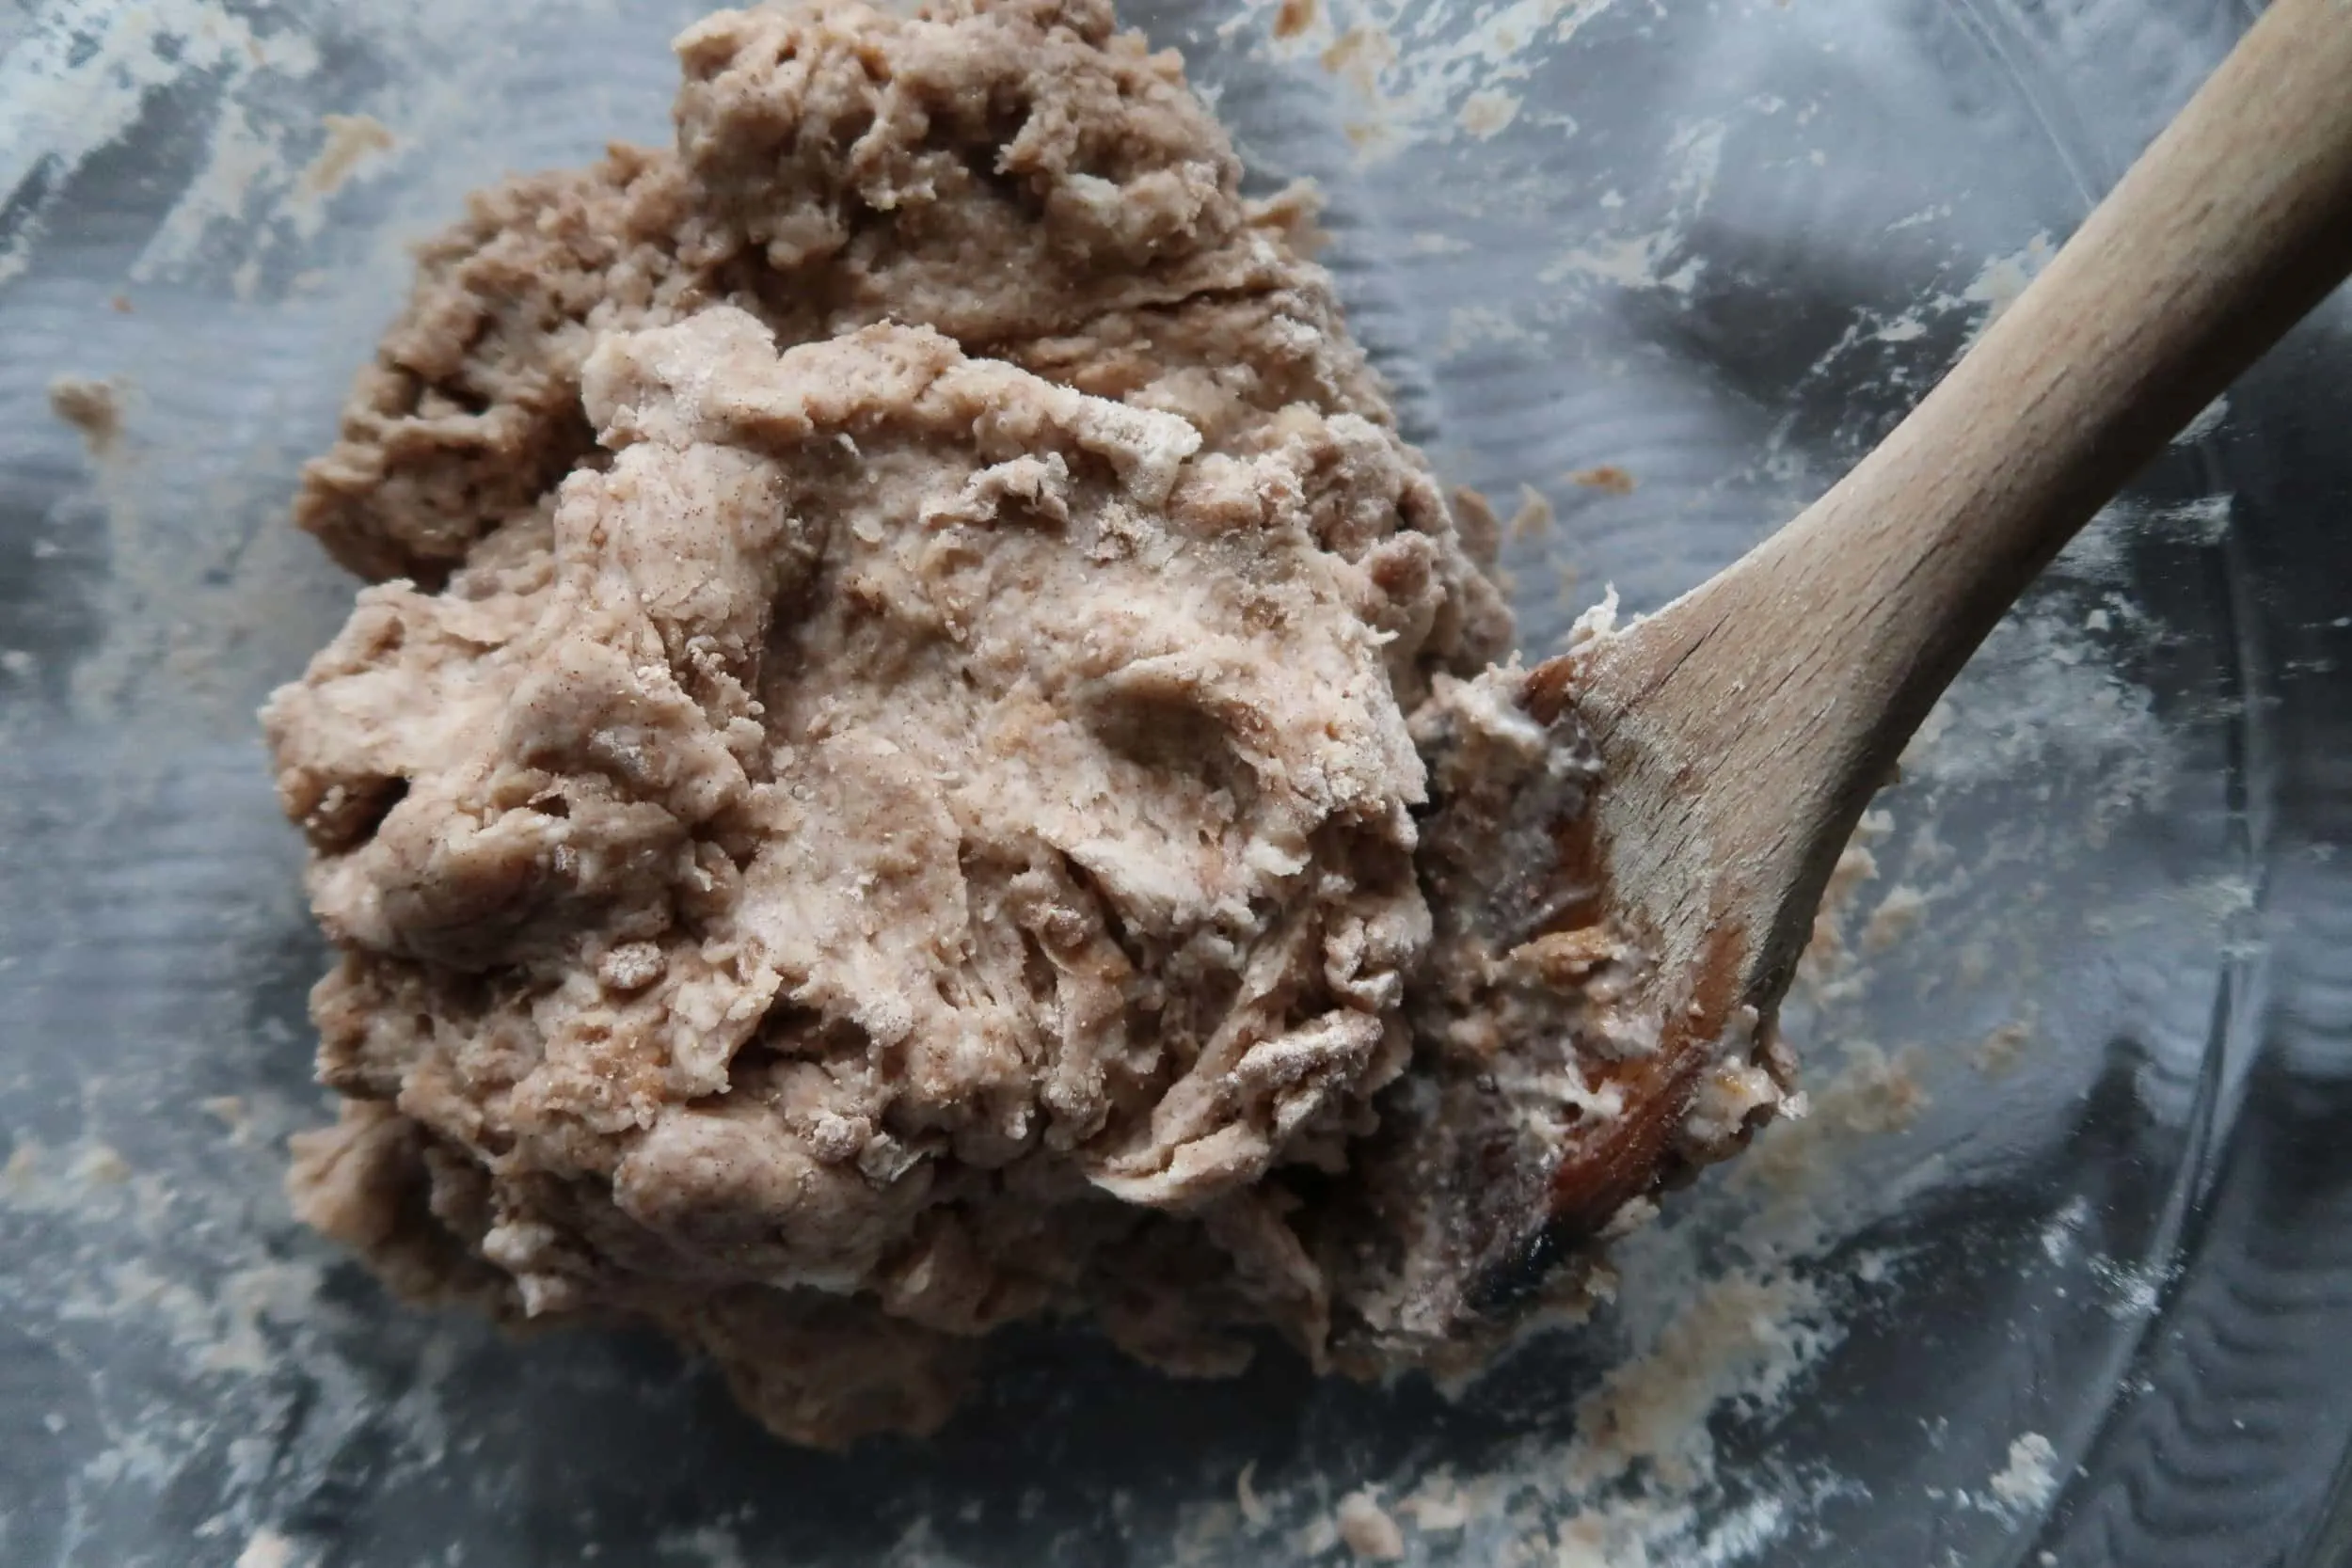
(876, 790)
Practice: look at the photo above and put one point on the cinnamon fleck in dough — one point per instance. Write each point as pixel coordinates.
(874, 792)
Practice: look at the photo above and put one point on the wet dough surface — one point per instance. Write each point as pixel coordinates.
(876, 790)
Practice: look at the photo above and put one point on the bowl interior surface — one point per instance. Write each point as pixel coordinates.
(2051, 1274)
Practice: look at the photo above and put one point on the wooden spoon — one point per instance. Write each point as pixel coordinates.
(1742, 728)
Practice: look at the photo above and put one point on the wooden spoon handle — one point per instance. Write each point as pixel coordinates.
(2232, 224)
(1752, 717)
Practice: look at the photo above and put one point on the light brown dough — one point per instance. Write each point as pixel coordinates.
(887, 782)
(876, 799)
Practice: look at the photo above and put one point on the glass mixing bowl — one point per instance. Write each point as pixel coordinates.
(2057, 1271)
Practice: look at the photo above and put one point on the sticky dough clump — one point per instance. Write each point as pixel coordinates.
(873, 794)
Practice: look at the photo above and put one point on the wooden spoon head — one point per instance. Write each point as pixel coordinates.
(1710, 971)
(1569, 1071)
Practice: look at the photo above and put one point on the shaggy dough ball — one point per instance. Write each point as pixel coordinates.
(874, 793)
(922, 754)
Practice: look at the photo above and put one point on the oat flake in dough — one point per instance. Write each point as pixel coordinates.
(874, 793)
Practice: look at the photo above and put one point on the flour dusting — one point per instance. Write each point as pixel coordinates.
(2030, 1479)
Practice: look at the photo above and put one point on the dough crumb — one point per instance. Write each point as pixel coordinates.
(1368, 1530)
(1254, 1508)
(1535, 514)
(94, 408)
(1999, 1052)
(99, 1164)
(351, 140)
(1438, 1507)
(1487, 112)
(1897, 916)
(1877, 1091)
